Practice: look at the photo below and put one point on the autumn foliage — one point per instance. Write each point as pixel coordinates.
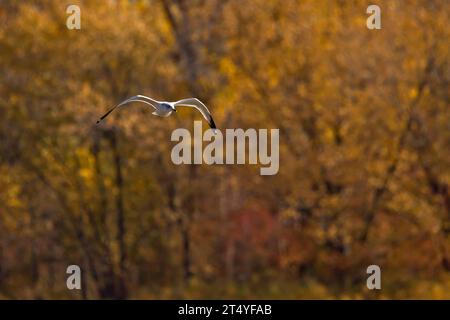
(364, 174)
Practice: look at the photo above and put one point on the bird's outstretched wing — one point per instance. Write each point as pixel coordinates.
(137, 98)
(195, 103)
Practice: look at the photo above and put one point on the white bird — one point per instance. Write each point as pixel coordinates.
(165, 108)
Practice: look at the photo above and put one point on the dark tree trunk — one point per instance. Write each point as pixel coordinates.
(187, 272)
(120, 218)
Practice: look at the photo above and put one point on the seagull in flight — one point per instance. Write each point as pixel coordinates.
(165, 108)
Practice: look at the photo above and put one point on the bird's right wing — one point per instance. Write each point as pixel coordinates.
(200, 106)
(137, 98)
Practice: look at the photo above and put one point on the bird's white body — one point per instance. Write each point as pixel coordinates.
(164, 109)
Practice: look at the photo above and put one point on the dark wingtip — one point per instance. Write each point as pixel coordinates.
(212, 124)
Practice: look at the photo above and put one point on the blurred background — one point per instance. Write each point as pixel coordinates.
(364, 173)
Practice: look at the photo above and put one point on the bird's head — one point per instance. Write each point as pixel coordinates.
(168, 106)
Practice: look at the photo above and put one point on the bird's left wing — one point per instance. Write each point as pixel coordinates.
(138, 98)
(195, 103)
